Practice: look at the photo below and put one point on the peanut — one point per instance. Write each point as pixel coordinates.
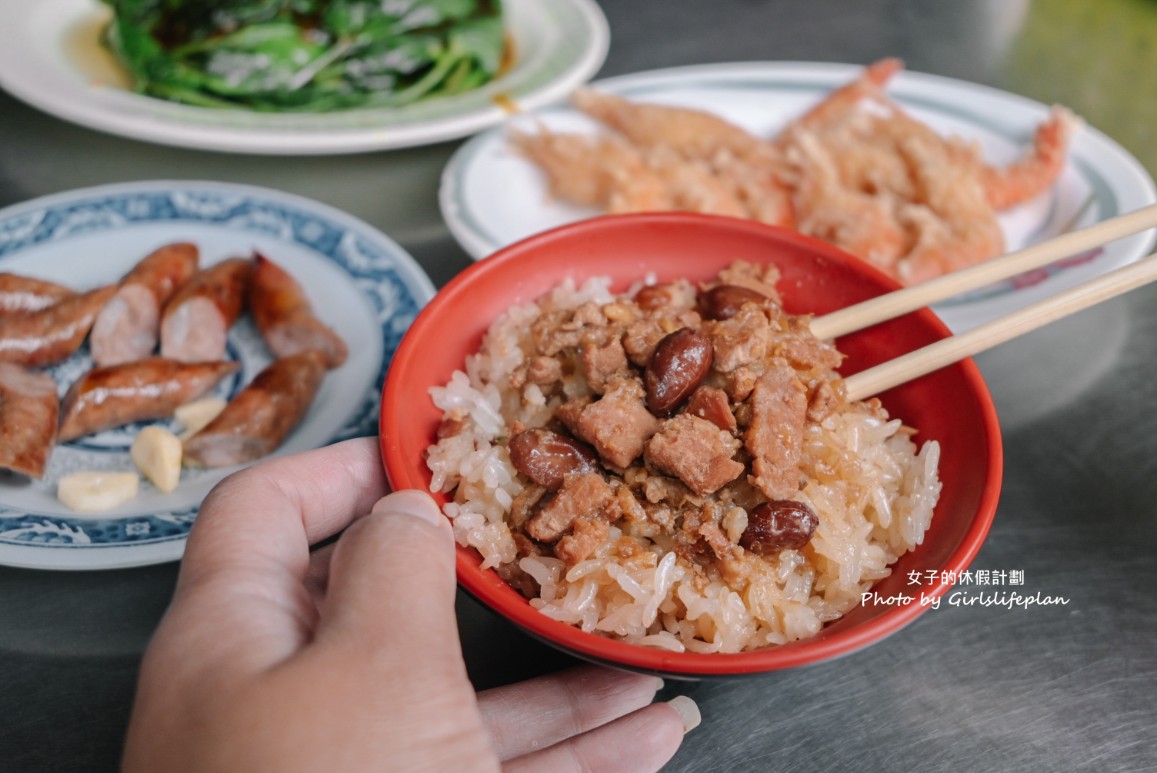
(781, 524)
(547, 457)
(725, 301)
(680, 363)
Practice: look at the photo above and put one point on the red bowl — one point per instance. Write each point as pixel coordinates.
(951, 405)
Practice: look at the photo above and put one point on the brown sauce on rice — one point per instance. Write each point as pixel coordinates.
(677, 466)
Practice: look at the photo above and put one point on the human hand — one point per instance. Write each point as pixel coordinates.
(271, 657)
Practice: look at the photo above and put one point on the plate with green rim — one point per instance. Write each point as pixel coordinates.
(491, 196)
(52, 59)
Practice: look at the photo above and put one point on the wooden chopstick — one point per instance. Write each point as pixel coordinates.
(894, 304)
(947, 351)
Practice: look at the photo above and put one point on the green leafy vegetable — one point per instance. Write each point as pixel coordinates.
(306, 55)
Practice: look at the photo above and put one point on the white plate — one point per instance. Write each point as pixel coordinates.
(360, 283)
(492, 197)
(51, 58)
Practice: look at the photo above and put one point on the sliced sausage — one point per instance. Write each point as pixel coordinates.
(135, 391)
(285, 318)
(197, 318)
(28, 409)
(126, 329)
(22, 294)
(262, 414)
(52, 334)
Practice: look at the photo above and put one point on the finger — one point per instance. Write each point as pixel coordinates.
(317, 577)
(532, 715)
(263, 519)
(241, 602)
(391, 585)
(639, 742)
(387, 634)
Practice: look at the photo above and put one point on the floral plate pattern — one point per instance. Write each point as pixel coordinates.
(359, 281)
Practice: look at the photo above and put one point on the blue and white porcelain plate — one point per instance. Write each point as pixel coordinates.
(359, 282)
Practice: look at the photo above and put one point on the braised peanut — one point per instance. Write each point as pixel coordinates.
(711, 404)
(547, 457)
(780, 524)
(653, 297)
(680, 362)
(725, 301)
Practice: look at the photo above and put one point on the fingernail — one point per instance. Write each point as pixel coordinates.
(688, 712)
(659, 683)
(411, 502)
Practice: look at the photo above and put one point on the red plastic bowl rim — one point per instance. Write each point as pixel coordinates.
(492, 591)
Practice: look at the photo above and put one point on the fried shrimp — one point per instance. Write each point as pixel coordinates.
(690, 133)
(952, 223)
(1028, 178)
(763, 187)
(610, 173)
(826, 208)
(855, 169)
(595, 171)
(694, 186)
(843, 102)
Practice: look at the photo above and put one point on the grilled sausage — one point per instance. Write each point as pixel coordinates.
(22, 294)
(135, 391)
(52, 334)
(262, 415)
(28, 410)
(285, 318)
(126, 329)
(197, 318)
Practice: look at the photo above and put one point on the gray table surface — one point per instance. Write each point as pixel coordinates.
(1067, 687)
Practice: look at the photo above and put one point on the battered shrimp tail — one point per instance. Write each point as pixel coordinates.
(841, 102)
(690, 133)
(1032, 175)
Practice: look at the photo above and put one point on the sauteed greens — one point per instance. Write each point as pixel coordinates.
(306, 55)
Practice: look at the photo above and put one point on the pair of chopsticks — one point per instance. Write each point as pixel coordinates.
(947, 351)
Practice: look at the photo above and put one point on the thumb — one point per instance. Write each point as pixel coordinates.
(391, 584)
